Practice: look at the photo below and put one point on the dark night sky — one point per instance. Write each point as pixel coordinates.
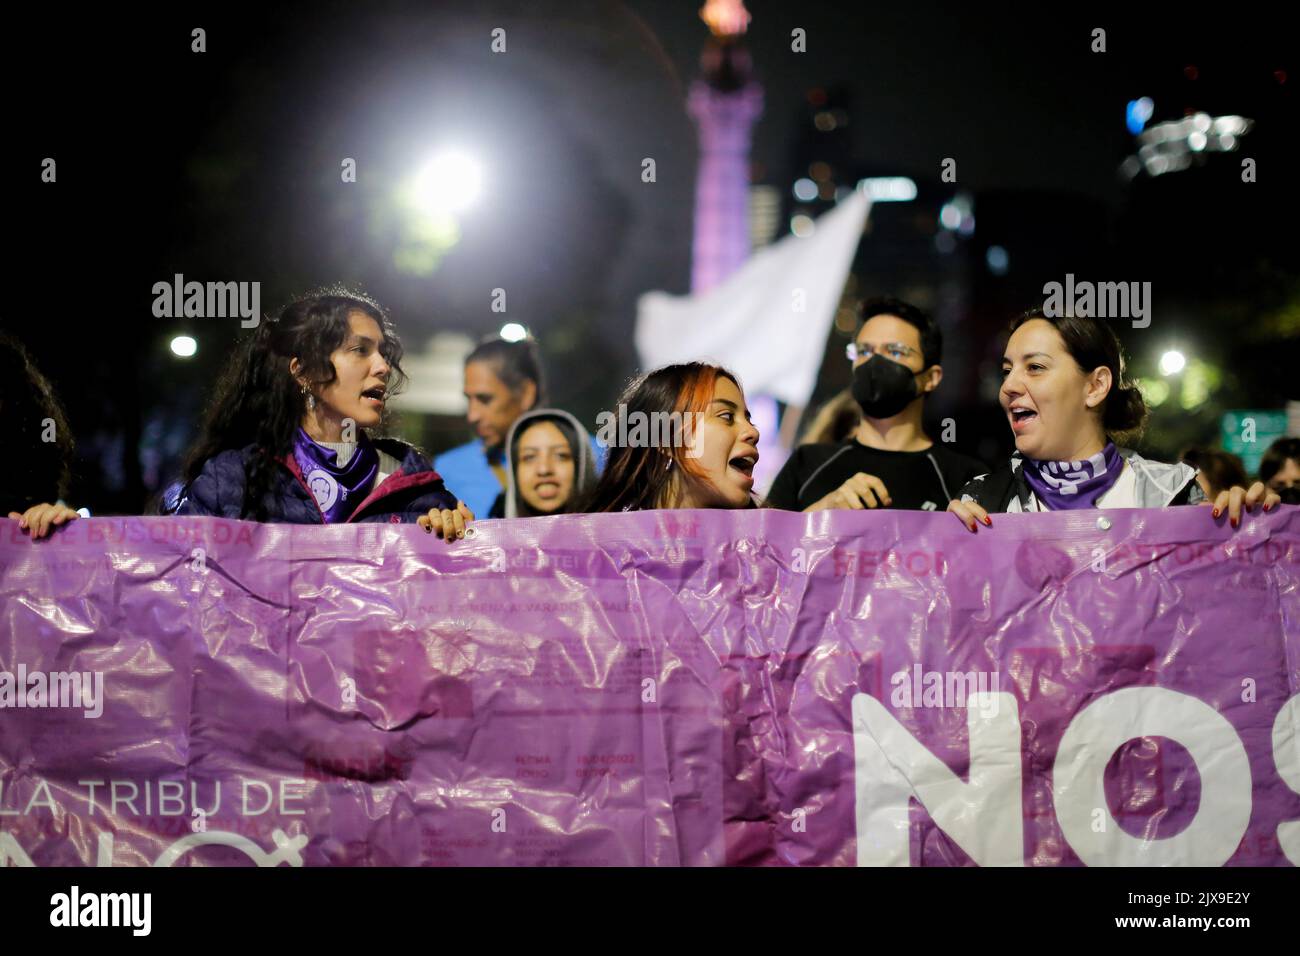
(225, 165)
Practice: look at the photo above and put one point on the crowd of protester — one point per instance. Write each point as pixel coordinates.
(293, 433)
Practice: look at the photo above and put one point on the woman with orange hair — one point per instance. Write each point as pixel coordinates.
(706, 463)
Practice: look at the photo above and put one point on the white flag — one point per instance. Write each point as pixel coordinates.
(768, 321)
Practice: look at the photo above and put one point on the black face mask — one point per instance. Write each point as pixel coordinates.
(883, 387)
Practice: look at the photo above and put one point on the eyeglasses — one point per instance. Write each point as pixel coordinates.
(890, 350)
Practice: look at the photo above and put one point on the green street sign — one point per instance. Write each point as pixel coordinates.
(1247, 433)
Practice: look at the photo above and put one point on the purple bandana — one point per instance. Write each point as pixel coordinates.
(1066, 485)
(338, 491)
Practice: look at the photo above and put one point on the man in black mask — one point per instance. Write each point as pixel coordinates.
(889, 462)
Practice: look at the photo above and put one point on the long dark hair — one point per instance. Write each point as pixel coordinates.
(636, 479)
(257, 402)
(29, 410)
(1092, 343)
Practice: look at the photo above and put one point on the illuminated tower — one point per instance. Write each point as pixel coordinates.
(724, 103)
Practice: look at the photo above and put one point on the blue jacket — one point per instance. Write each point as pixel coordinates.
(411, 491)
(470, 478)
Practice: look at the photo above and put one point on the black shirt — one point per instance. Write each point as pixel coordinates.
(916, 480)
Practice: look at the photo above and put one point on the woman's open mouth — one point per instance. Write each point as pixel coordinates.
(375, 396)
(744, 464)
(1021, 418)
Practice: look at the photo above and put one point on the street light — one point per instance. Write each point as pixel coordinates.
(1172, 362)
(184, 346)
(449, 182)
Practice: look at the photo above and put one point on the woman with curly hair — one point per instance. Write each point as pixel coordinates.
(287, 437)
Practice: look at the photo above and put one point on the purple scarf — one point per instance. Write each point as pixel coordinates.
(338, 491)
(1066, 485)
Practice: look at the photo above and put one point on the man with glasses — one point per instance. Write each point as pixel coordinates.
(889, 462)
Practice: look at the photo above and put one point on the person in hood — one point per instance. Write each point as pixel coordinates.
(287, 437)
(1071, 408)
(889, 461)
(550, 467)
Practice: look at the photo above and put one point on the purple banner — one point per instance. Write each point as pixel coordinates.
(664, 688)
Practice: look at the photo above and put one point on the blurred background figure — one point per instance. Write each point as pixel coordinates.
(1280, 469)
(36, 434)
(835, 421)
(503, 379)
(1216, 470)
(550, 466)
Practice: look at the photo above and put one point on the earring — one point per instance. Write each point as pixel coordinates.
(669, 466)
(311, 399)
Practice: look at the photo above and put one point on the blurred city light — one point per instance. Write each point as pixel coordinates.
(1167, 147)
(1198, 381)
(997, 260)
(1172, 362)
(725, 17)
(801, 225)
(805, 190)
(450, 182)
(888, 188)
(1155, 391)
(958, 214)
(184, 346)
(513, 332)
(1137, 114)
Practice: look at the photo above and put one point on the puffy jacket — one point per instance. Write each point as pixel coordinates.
(411, 491)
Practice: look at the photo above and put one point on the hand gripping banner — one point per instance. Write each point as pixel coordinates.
(663, 688)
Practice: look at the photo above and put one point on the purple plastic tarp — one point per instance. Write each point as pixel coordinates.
(660, 688)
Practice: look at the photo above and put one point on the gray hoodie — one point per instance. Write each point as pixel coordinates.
(584, 476)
